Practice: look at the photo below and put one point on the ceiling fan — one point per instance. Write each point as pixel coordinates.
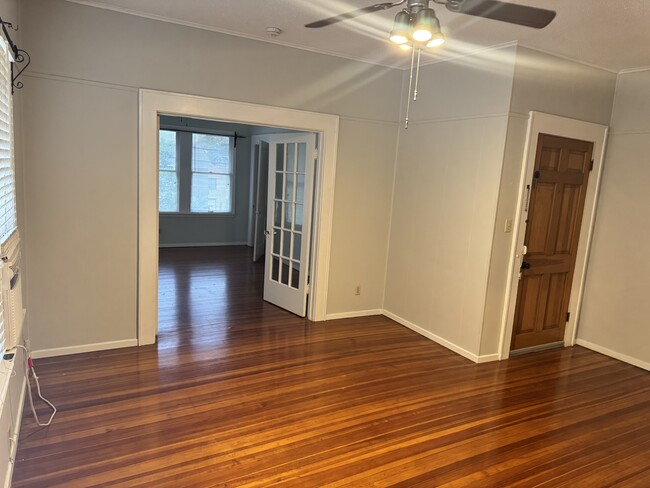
(524, 15)
(416, 25)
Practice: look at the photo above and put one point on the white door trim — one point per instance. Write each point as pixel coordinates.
(152, 104)
(575, 129)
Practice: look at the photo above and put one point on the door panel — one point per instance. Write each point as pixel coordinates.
(261, 189)
(290, 195)
(552, 233)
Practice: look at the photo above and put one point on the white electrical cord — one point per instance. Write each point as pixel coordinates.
(29, 366)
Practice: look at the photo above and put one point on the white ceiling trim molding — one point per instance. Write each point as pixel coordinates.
(634, 70)
(394, 65)
(456, 57)
(568, 58)
(185, 23)
(517, 43)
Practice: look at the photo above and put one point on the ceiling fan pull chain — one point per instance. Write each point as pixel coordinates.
(408, 96)
(417, 77)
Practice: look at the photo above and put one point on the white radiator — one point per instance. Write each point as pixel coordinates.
(12, 297)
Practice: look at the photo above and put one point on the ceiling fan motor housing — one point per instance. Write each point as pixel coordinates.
(414, 6)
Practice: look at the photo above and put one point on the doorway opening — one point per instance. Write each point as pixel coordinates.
(302, 247)
(213, 188)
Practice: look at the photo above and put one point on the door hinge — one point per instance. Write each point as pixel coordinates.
(568, 316)
(314, 154)
(591, 165)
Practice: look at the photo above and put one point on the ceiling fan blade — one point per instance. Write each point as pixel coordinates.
(537, 18)
(350, 15)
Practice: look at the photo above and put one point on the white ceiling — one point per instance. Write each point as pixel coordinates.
(612, 34)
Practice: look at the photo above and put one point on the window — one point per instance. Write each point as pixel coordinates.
(196, 172)
(7, 182)
(211, 174)
(168, 193)
(7, 189)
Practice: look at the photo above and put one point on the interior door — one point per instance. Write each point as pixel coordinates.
(261, 190)
(288, 224)
(555, 210)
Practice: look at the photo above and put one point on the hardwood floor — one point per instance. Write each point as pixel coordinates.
(240, 393)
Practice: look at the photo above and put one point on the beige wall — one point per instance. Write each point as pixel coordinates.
(81, 120)
(81, 228)
(445, 198)
(615, 316)
(547, 83)
(542, 83)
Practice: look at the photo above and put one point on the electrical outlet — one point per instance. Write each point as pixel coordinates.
(357, 290)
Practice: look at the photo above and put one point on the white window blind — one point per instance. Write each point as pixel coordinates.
(7, 182)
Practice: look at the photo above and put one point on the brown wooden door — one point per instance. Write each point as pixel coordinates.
(553, 228)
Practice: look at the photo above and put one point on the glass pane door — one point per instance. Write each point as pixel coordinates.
(291, 166)
(288, 205)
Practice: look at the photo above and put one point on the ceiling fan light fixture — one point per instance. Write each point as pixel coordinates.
(401, 28)
(436, 40)
(425, 25)
(397, 38)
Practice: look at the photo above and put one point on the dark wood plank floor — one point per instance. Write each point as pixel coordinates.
(240, 393)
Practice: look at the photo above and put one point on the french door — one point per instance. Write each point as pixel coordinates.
(292, 158)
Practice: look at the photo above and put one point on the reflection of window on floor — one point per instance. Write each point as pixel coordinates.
(196, 172)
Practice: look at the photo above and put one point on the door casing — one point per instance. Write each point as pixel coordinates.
(154, 103)
(539, 122)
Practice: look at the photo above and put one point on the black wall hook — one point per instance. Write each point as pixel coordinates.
(21, 57)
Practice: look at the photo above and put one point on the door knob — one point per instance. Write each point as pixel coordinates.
(267, 233)
(525, 265)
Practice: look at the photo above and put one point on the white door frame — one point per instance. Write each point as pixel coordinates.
(574, 129)
(155, 103)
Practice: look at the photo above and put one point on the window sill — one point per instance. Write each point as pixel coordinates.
(196, 214)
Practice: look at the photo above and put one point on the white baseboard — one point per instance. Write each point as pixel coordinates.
(616, 355)
(488, 358)
(356, 313)
(443, 342)
(204, 244)
(100, 346)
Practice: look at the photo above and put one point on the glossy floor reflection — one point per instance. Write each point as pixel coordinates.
(239, 393)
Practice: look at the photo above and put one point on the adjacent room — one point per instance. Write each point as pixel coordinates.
(324, 243)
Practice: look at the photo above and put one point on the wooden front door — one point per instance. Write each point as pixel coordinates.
(555, 210)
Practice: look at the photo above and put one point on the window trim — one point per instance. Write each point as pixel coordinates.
(185, 211)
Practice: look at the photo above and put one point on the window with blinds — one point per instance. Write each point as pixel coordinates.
(7, 182)
(7, 189)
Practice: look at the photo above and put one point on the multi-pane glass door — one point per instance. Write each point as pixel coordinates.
(289, 220)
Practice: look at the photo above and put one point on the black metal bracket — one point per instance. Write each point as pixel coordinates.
(20, 56)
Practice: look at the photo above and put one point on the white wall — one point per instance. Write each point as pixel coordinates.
(188, 229)
(552, 85)
(445, 198)
(81, 161)
(615, 315)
